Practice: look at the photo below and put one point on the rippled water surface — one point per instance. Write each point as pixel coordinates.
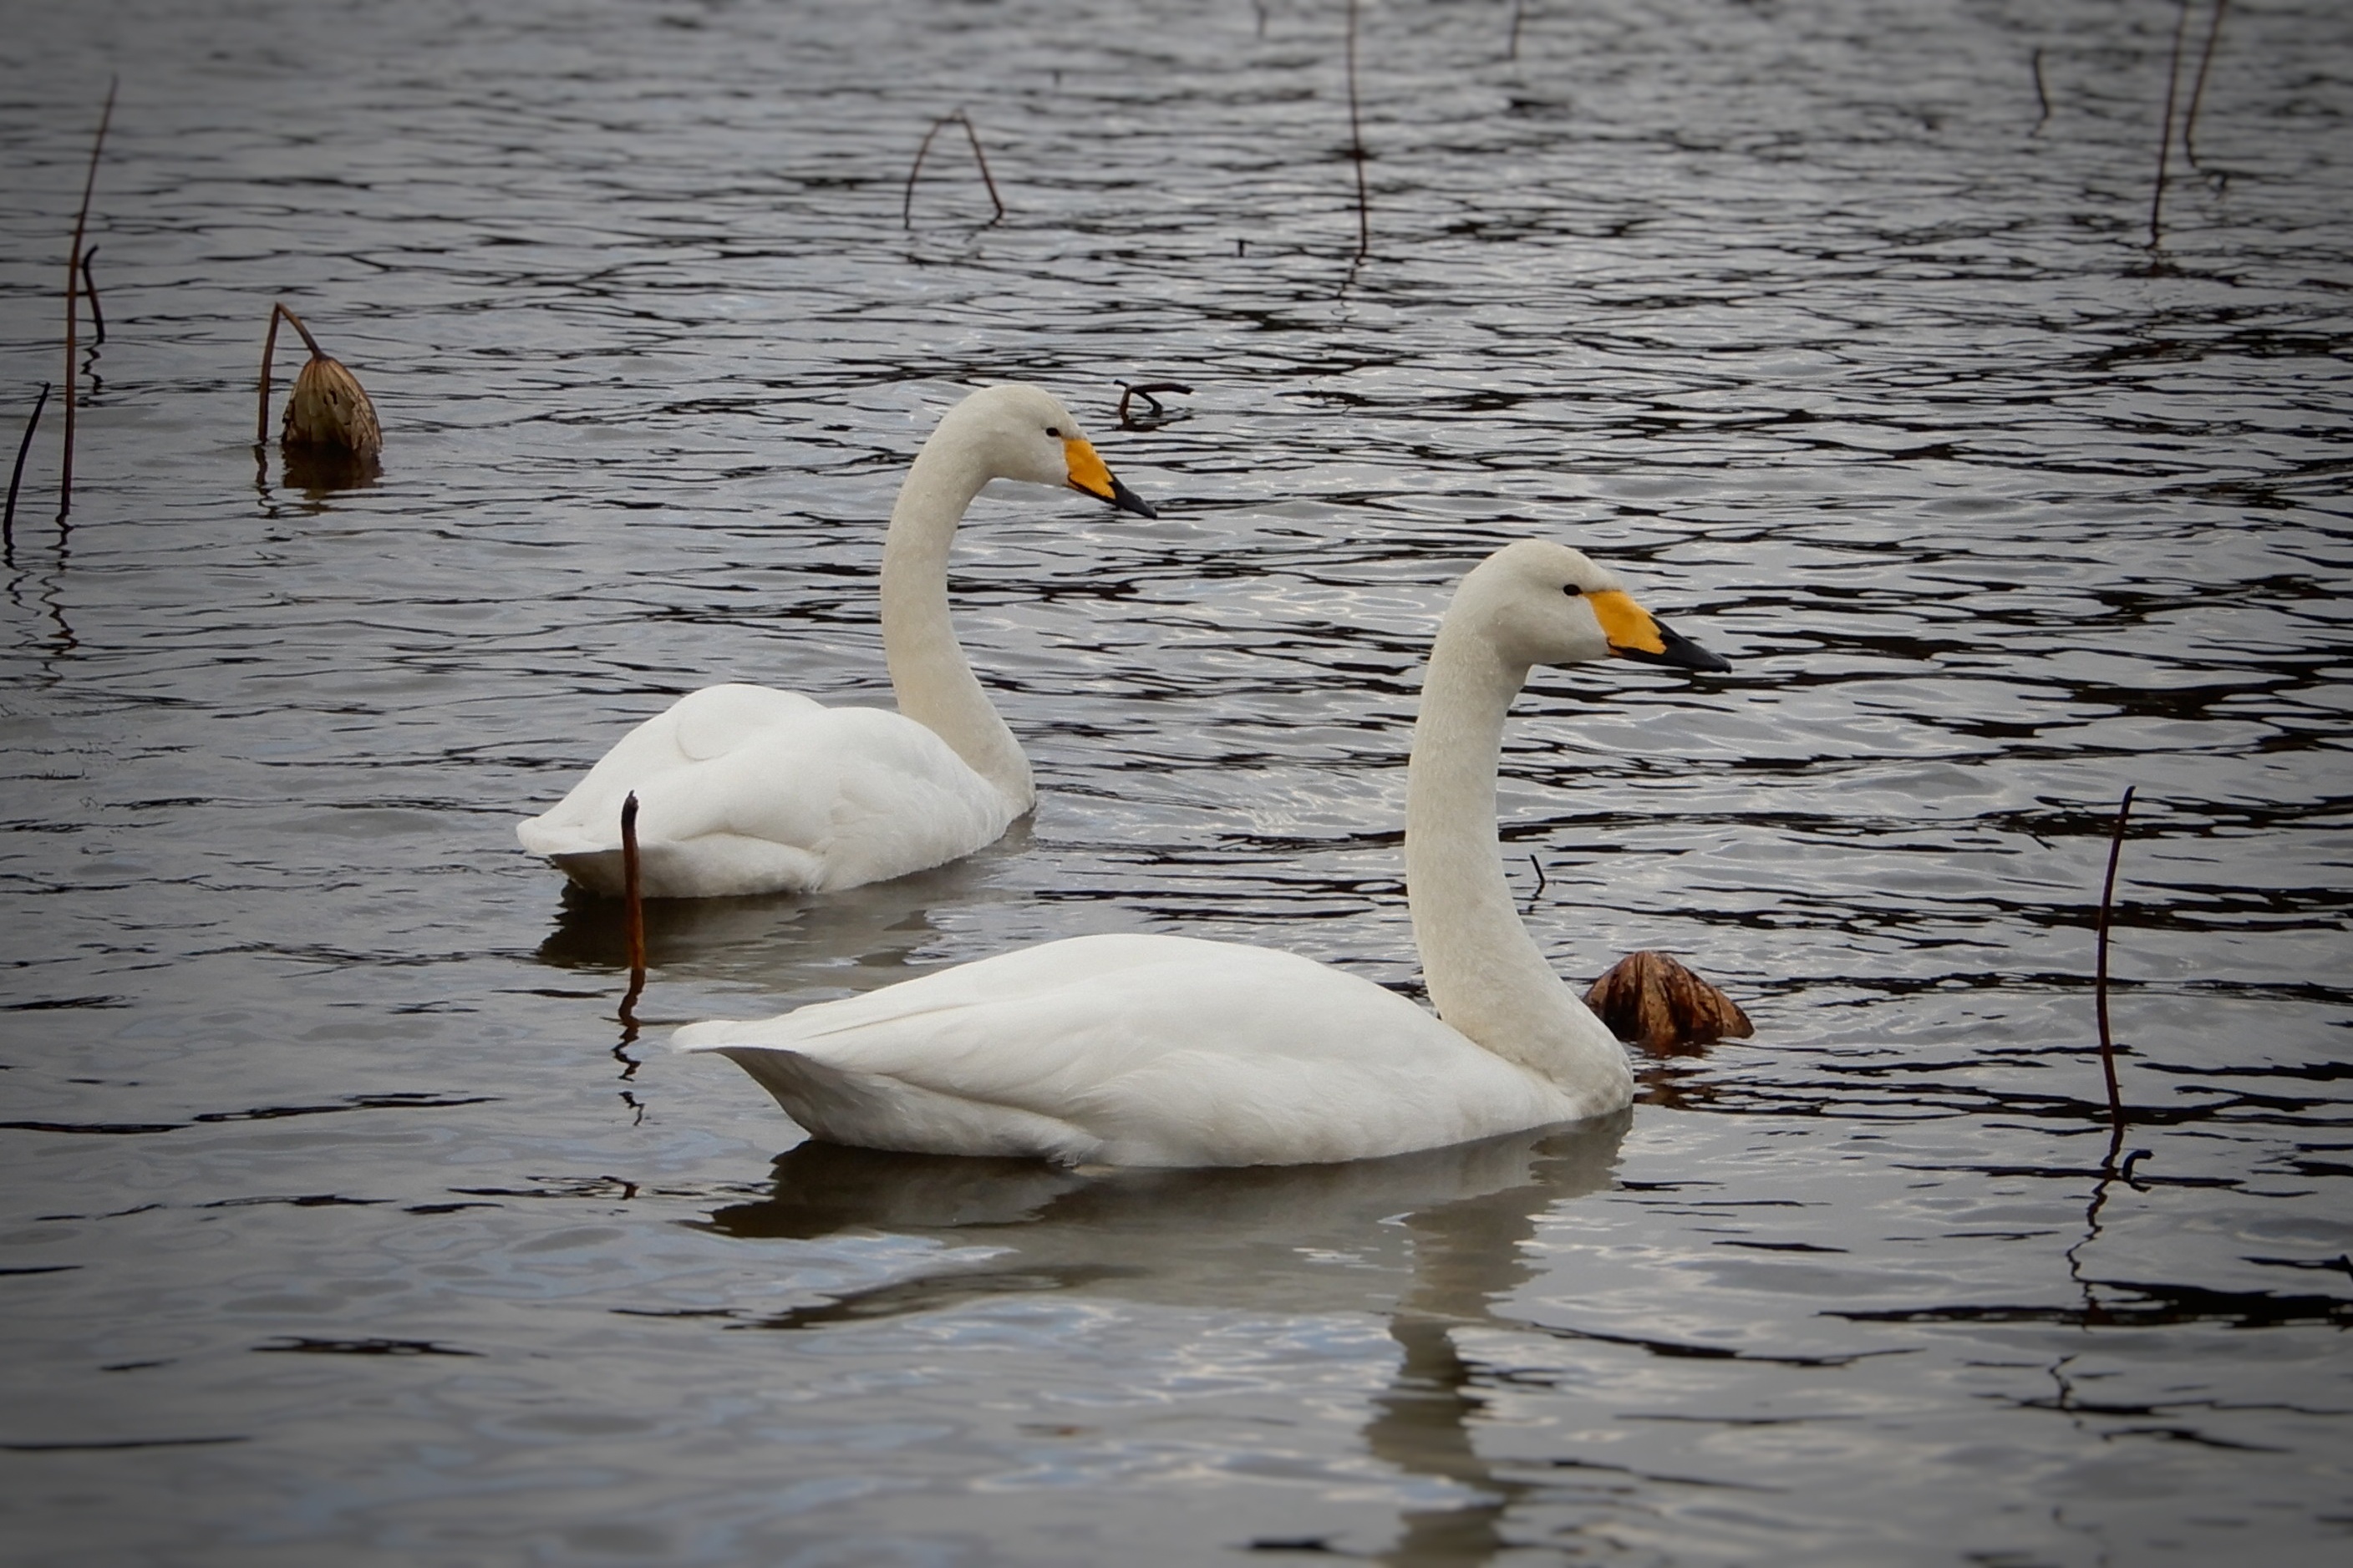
(344, 1224)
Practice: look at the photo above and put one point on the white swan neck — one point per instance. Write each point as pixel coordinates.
(933, 681)
(1487, 978)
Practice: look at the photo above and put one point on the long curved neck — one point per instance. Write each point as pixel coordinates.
(929, 672)
(1486, 977)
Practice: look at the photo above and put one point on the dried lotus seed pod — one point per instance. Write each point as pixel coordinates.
(328, 407)
(1653, 1000)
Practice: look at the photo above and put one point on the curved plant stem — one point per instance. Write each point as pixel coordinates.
(16, 476)
(958, 117)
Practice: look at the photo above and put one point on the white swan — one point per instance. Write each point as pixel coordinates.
(742, 789)
(1171, 1051)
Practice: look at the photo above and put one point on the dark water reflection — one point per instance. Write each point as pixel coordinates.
(344, 1221)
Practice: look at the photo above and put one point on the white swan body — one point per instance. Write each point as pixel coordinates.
(1169, 1051)
(743, 790)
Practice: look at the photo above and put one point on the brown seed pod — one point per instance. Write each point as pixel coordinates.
(1651, 999)
(327, 410)
(328, 407)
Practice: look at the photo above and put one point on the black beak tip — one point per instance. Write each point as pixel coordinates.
(1679, 653)
(1126, 499)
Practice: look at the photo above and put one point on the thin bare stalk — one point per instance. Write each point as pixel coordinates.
(2100, 978)
(17, 475)
(958, 117)
(1357, 145)
(90, 292)
(633, 912)
(2165, 132)
(2042, 97)
(270, 351)
(1511, 45)
(73, 279)
(2198, 87)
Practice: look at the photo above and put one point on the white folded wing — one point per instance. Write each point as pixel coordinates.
(1135, 1050)
(743, 789)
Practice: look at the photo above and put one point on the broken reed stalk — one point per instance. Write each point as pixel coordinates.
(2198, 87)
(633, 909)
(17, 475)
(90, 292)
(73, 277)
(2100, 978)
(907, 201)
(1357, 145)
(1511, 45)
(2165, 132)
(2042, 97)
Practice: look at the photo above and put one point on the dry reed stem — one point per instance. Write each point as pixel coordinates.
(1651, 999)
(17, 475)
(2100, 975)
(633, 909)
(73, 276)
(1511, 45)
(2042, 97)
(2165, 132)
(2198, 87)
(907, 201)
(1357, 145)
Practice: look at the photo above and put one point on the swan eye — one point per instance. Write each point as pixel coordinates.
(1055, 431)
(1572, 590)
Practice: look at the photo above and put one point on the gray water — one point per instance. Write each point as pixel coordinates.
(347, 1224)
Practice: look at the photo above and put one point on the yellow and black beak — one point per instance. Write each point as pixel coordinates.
(1634, 633)
(1089, 475)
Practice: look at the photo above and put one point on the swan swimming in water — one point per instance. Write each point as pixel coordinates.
(743, 789)
(1172, 1051)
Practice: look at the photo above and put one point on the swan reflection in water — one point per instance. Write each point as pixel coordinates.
(1431, 1242)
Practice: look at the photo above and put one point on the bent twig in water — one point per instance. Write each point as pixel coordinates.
(907, 202)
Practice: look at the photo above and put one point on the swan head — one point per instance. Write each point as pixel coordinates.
(1541, 603)
(1023, 432)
